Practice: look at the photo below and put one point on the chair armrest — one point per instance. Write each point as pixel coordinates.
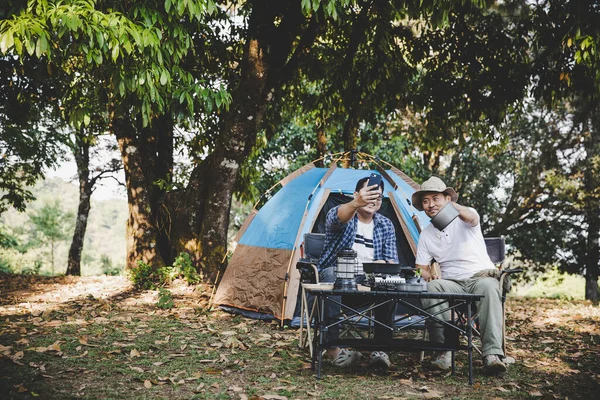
(510, 271)
(308, 271)
(504, 278)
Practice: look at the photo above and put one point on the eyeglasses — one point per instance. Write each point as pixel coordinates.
(380, 197)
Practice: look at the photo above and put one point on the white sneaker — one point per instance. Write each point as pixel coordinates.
(442, 361)
(492, 365)
(379, 359)
(346, 358)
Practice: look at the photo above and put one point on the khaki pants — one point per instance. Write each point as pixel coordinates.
(489, 308)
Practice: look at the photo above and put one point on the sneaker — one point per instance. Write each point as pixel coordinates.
(493, 365)
(442, 362)
(346, 358)
(379, 359)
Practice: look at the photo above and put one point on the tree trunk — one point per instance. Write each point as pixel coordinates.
(321, 145)
(591, 214)
(52, 255)
(82, 159)
(141, 162)
(205, 210)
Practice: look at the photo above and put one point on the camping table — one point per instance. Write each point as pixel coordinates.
(349, 316)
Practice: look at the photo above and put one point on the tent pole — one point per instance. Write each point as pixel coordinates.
(212, 295)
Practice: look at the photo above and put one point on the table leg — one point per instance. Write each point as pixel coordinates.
(316, 334)
(319, 350)
(470, 342)
(452, 317)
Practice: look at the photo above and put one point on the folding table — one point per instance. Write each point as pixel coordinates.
(353, 316)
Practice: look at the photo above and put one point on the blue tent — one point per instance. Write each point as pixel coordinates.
(261, 276)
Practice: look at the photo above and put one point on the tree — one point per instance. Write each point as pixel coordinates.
(52, 223)
(142, 93)
(566, 38)
(83, 144)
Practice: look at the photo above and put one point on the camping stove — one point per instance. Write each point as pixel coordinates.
(393, 277)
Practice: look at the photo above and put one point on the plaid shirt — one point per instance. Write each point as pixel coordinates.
(339, 236)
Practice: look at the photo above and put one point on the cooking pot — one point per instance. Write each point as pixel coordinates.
(446, 215)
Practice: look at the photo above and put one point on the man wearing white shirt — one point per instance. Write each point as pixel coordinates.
(460, 251)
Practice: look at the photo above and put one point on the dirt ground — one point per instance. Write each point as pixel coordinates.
(95, 337)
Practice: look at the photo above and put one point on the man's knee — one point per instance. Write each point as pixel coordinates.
(435, 285)
(488, 285)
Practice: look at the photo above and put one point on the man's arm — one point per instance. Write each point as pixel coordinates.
(467, 215)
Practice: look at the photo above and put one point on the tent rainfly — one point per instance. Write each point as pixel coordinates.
(261, 279)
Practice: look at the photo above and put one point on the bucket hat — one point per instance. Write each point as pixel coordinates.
(432, 185)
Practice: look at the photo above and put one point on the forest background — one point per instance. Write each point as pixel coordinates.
(499, 98)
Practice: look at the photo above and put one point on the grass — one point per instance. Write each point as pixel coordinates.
(555, 285)
(95, 338)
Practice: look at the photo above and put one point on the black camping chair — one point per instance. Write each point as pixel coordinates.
(311, 252)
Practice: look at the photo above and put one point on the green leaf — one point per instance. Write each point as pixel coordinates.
(30, 46)
(38, 48)
(164, 77)
(115, 52)
(6, 41)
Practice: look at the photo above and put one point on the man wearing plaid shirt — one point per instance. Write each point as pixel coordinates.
(357, 225)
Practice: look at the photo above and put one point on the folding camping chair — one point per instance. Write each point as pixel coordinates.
(496, 249)
(311, 250)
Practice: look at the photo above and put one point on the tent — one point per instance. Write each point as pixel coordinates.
(261, 279)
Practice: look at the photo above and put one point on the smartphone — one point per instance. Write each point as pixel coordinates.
(374, 179)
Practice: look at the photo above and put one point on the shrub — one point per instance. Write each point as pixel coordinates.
(144, 277)
(165, 299)
(183, 267)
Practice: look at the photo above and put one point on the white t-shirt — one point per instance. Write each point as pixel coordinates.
(459, 249)
(363, 243)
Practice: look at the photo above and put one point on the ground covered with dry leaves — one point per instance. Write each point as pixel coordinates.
(96, 338)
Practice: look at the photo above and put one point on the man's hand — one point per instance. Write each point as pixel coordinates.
(366, 195)
(428, 276)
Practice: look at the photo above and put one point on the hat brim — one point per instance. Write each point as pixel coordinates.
(417, 197)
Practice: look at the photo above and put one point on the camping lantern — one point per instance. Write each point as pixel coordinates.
(345, 269)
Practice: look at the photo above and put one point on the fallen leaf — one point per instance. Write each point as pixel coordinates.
(147, 384)
(137, 369)
(134, 353)
(273, 397)
(5, 348)
(21, 341)
(432, 394)
(54, 346)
